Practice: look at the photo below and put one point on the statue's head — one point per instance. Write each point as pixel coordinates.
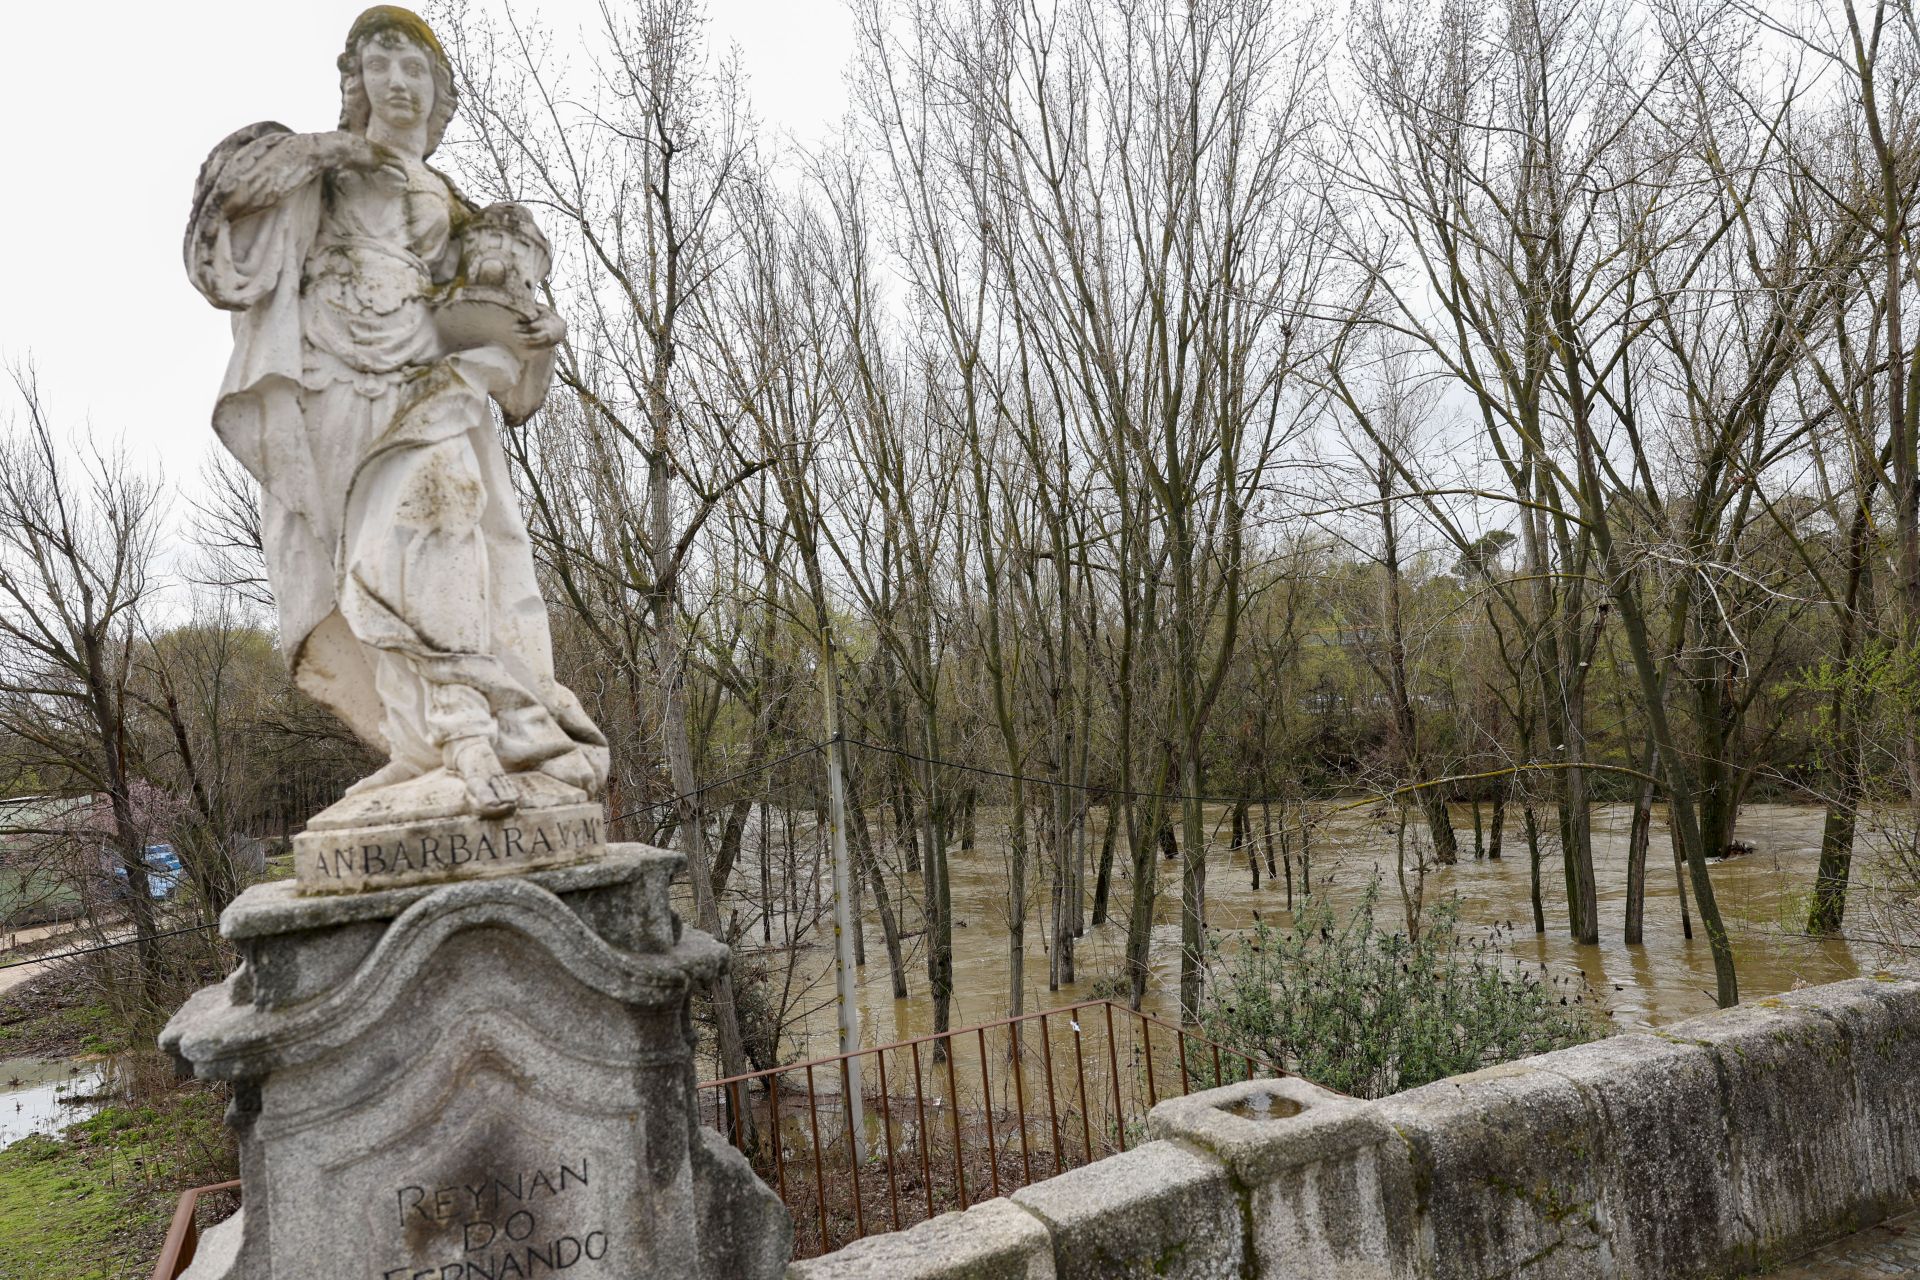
(394, 68)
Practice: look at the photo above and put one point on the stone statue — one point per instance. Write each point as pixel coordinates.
(376, 313)
(478, 1062)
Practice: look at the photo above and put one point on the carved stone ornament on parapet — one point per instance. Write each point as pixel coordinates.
(379, 317)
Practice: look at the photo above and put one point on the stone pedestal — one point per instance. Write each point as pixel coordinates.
(484, 1079)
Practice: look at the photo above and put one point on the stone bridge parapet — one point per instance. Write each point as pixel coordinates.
(1714, 1147)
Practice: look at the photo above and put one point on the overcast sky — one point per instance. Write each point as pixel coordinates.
(107, 110)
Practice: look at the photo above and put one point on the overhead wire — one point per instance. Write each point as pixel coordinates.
(107, 946)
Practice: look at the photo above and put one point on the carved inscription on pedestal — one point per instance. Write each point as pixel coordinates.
(336, 860)
(506, 1224)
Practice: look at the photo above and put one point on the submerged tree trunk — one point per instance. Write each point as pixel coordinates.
(869, 866)
(1240, 840)
(1306, 849)
(1433, 805)
(1638, 835)
(857, 882)
(1683, 817)
(1532, 821)
(1576, 841)
(937, 907)
(1829, 907)
(1680, 881)
(1266, 837)
(1060, 970)
(1146, 883)
(1103, 877)
(1286, 846)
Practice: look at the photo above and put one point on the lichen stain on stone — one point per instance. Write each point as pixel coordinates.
(442, 493)
(1552, 1202)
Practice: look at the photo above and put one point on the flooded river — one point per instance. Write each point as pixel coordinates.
(1762, 897)
(39, 1095)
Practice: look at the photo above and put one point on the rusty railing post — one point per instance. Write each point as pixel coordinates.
(1020, 1104)
(886, 1127)
(851, 1110)
(779, 1165)
(986, 1096)
(819, 1174)
(1053, 1108)
(920, 1105)
(1146, 1037)
(183, 1233)
(959, 1149)
(1113, 1072)
(1080, 1071)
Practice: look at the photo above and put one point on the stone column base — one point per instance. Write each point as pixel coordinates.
(479, 1080)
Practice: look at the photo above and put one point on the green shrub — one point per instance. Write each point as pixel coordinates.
(1369, 1012)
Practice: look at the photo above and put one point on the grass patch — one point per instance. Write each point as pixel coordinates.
(94, 1204)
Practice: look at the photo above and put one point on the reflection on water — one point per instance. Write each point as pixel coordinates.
(1762, 897)
(42, 1096)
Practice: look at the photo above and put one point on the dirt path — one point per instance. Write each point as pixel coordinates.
(14, 973)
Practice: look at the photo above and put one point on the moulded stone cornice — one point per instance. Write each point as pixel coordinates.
(235, 1041)
(279, 907)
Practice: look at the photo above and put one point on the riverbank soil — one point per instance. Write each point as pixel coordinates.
(93, 1203)
(54, 1015)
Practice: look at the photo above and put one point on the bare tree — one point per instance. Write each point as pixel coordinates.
(77, 544)
(635, 165)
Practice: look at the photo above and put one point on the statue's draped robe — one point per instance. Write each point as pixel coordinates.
(394, 544)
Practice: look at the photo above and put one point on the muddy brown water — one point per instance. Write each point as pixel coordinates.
(1669, 977)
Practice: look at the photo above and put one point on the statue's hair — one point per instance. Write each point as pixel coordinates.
(391, 20)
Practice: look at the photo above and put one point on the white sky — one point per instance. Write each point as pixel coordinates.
(107, 110)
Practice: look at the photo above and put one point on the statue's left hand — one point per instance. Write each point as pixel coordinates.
(544, 330)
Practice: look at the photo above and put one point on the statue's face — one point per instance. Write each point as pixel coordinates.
(397, 76)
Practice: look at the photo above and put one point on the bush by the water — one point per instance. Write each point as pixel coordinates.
(1369, 1011)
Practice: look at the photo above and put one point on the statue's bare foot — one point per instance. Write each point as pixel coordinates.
(385, 776)
(571, 768)
(473, 762)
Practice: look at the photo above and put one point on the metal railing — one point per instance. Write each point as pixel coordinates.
(183, 1236)
(957, 1116)
(948, 1118)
